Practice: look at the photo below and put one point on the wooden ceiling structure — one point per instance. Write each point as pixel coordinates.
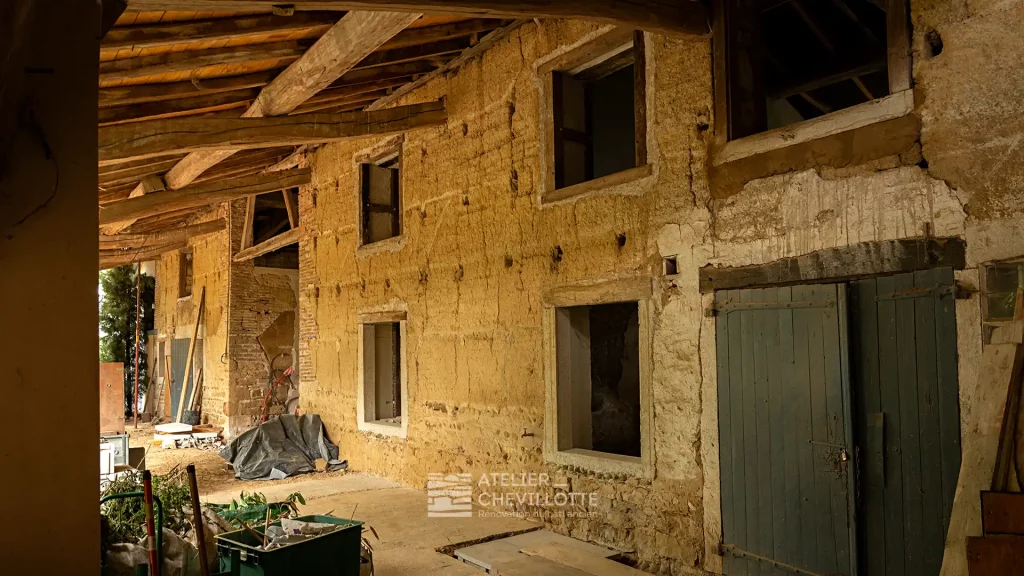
(204, 101)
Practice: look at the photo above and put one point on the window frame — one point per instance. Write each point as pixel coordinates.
(629, 289)
(988, 325)
(366, 389)
(587, 55)
(392, 152)
(186, 259)
(878, 128)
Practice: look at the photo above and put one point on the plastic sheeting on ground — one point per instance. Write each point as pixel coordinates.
(282, 447)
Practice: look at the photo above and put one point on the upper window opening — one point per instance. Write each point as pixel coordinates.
(185, 275)
(599, 122)
(794, 60)
(599, 378)
(380, 191)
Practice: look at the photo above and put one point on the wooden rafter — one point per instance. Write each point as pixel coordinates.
(149, 184)
(665, 16)
(201, 195)
(203, 136)
(277, 242)
(352, 39)
(154, 35)
(115, 258)
(111, 242)
(142, 66)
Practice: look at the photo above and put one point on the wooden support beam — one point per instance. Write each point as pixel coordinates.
(292, 208)
(149, 184)
(291, 161)
(247, 225)
(428, 52)
(428, 34)
(159, 137)
(135, 173)
(838, 264)
(201, 195)
(111, 242)
(353, 38)
(675, 17)
(280, 241)
(140, 93)
(153, 35)
(114, 258)
(177, 107)
(140, 66)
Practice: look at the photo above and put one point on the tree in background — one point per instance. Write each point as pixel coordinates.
(117, 325)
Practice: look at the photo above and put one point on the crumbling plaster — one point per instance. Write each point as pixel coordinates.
(478, 250)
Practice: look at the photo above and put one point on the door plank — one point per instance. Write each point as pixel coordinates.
(726, 436)
(948, 394)
(909, 425)
(835, 412)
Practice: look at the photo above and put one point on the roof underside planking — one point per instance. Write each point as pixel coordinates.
(158, 65)
(231, 59)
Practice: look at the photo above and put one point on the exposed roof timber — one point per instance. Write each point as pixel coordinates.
(142, 93)
(277, 242)
(179, 107)
(148, 185)
(664, 16)
(160, 137)
(115, 258)
(142, 66)
(134, 173)
(110, 242)
(154, 35)
(166, 220)
(353, 38)
(485, 43)
(201, 195)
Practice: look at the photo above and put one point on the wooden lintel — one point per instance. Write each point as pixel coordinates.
(837, 264)
(115, 241)
(673, 17)
(162, 137)
(204, 194)
(281, 240)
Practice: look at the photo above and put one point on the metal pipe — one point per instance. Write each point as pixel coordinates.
(138, 306)
(197, 519)
(147, 499)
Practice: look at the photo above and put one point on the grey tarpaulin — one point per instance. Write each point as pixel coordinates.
(281, 447)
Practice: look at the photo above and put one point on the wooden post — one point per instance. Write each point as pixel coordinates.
(191, 352)
(138, 302)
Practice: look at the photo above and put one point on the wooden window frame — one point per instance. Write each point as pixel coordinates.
(860, 133)
(365, 208)
(186, 258)
(630, 289)
(364, 396)
(592, 53)
(989, 325)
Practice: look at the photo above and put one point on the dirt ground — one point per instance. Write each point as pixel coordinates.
(213, 474)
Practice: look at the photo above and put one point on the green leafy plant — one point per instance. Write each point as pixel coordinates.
(251, 508)
(125, 519)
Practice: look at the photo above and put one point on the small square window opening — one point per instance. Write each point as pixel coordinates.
(599, 378)
(999, 294)
(382, 373)
(380, 199)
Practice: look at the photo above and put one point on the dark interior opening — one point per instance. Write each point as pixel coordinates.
(379, 189)
(615, 378)
(595, 121)
(270, 219)
(793, 60)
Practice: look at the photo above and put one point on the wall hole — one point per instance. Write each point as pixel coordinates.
(671, 266)
(934, 40)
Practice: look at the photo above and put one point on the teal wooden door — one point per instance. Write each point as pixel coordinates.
(785, 433)
(906, 395)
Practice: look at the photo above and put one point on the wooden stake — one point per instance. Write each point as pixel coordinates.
(191, 352)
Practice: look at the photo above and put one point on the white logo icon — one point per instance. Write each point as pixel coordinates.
(450, 496)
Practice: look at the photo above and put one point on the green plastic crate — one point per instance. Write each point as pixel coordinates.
(334, 554)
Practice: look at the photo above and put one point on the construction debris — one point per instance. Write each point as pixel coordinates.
(282, 447)
(178, 435)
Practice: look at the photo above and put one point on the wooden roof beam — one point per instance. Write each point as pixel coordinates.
(686, 17)
(115, 258)
(212, 135)
(154, 35)
(353, 38)
(111, 242)
(200, 195)
(141, 66)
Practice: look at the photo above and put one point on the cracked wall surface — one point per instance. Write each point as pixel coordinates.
(478, 251)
